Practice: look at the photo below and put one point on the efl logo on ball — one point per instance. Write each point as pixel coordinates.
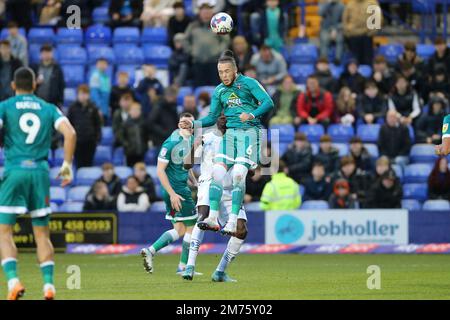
(221, 23)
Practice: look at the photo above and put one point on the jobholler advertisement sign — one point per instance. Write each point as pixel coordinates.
(336, 227)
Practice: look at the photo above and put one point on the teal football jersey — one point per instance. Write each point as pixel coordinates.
(28, 124)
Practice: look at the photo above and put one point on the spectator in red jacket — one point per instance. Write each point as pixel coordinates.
(315, 105)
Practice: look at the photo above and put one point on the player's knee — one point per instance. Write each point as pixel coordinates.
(241, 231)
(239, 174)
(219, 172)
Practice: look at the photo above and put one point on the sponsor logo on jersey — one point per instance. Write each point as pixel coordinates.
(234, 100)
(445, 127)
(163, 152)
(28, 105)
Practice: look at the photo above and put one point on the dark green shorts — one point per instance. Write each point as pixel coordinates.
(188, 214)
(25, 191)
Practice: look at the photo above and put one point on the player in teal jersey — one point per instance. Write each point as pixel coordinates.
(180, 207)
(28, 123)
(243, 101)
(444, 148)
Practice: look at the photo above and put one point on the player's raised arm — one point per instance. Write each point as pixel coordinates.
(214, 113)
(70, 140)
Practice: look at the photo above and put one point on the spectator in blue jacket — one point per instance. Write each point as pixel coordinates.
(317, 187)
(100, 87)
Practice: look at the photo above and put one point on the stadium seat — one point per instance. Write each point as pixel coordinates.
(340, 133)
(118, 157)
(151, 156)
(54, 180)
(2, 157)
(372, 149)
(57, 195)
(157, 54)
(436, 205)
(312, 131)
(100, 15)
(425, 51)
(418, 191)
(411, 204)
(315, 205)
(102, 154)
(300, 72)
(97, 51)
(71, 207)
(208, 89)
(70, 96)
(4, 33)
(130, 69)
(69, 36)
(286, 132)
(303, 53)
(252, 206)
(411, 133)
(128, 54)
(336, 71)
(417, 173)
(391, 51)
(343, 148)
(72, 54)
(182, 92)
(154, 36)
(282, 147)
(126, 35)
(54, 207)
(98, 34)
(87, 176)
(301, 190)
(78, 193)
(123, 172)
(159, 206)
(41, 36)
(315, 148)
(151, 170)
(398, 171)
(365, 70)
(368, 132)
(422, 153)
(73, 75)
(107, 136)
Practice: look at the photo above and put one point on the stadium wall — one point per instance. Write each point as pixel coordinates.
(423, 227)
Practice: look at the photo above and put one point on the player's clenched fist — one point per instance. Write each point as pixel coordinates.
(66, 173)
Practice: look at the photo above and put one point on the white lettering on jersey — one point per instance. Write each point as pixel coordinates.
(28, 105)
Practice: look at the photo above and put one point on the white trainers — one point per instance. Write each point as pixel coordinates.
(49, 291)
(209, 224)
(147, 257)
(230, 228)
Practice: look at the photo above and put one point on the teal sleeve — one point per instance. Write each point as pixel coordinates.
(214, 113)
(57, 116)
(165, 154)
(2, 113)
(260, 94)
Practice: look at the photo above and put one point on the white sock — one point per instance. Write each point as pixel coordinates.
(233, 247)
(196, 240)
(233, 218)
(213, 214)
(49, 286)
(12, 282)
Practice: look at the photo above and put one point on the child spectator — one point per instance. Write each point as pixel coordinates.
(371, 105)
(317, 187)
(341, 197)
(120, 116)
(133, 198)
(111, 180)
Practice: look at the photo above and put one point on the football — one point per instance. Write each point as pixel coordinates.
(221, 23)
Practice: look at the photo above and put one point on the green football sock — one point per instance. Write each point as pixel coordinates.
(164, 240)
(10, 268)
(237, 197)
(47, 269)
(215, 195)
(185, 251)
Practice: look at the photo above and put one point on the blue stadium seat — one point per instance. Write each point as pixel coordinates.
(78, 193)
(102, 154)
(123, 172)
(130, 69)
(411, 204)
(252, 206)
(97, 51)
(128, 54)
(209, 89)
(372, 149)
(315, 148)
(368, 132)
(73, 75)
(118, 157)
(436, 205)
(315, 205)
(71, 207)
(417, 173)
(41, 36)
(54, 207)
(100, 15)
(4, 33)
(303, 53)
(422, 153)
(340, 133)
(157, 54)
(365, 70)
(343, 148)
(70, 95)
(54, 180)
(126, 35)
(300, 72)
(182, 92)
(154, 35)
(58, 157)
(312, 131)
(159, 206)
(57, 195)
(391, 51)
(286, 132)
(301, 190)
(107, 136)
(151, 170)
(151, 156)
(425, 51)
(72, 54)
(282, 147)
(69, 36)
(87, 176)
(98, 34)
(411, 133)
(398, 171)
(418, 191)
(336, 71)
(2, 157)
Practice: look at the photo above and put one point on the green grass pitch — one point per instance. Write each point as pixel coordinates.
(259, 277)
